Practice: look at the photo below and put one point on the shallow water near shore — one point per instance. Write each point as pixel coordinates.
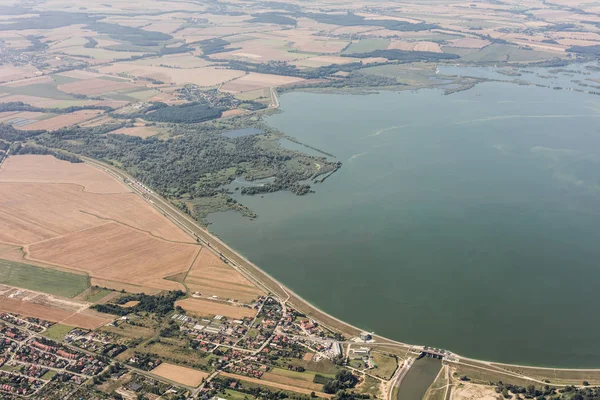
(469, 222)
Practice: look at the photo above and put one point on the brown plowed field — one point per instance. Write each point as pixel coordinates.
(212, 277)
(182, 375)
(117, 252)
(207, 308)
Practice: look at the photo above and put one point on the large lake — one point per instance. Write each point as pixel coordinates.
(469, 222)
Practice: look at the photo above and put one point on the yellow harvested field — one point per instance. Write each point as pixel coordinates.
(117, 252)
(254, 81)
(276, 385)
(415, 46)
(61, 121)
(210, 276)
(205, 76)
(47, 169)
(95, 86)
(182, 375)
(210, 308)
(130, 304)
(77, 217)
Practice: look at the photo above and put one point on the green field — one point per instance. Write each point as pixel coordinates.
(370, 386)
(45, 280)
(367, 45)
(307, 376)
(97, 295)
(57, 332)
(233, 395)
(324, 367)
(386, 365)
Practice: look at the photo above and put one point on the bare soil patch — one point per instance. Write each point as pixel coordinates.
(211, 308)
(182, 375)
(473, 392)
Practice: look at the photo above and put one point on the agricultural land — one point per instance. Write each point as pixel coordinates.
(123, 125)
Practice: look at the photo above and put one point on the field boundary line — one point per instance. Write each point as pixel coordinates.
(81, 187)
(136, 229)
(61, 235)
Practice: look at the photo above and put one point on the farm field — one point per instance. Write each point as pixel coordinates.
(210, 276)
(204, 76)
(51, 309)
(60, 283)
(255, 81)
(61, 121)
(211, 308)
(367, 45)
(140, 246)
(182, 375)
(142, 259)
(276, 385)
(292, 381)
(47, 169)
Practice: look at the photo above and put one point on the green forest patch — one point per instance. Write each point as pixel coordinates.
(45, 280)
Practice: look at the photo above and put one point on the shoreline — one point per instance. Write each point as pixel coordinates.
(268, 283)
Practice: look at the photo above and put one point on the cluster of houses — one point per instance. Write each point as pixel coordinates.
(17, 384)
(97, 342)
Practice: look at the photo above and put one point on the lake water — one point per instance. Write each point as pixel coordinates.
(469, 222)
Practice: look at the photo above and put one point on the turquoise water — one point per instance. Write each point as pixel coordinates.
(469, 222)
